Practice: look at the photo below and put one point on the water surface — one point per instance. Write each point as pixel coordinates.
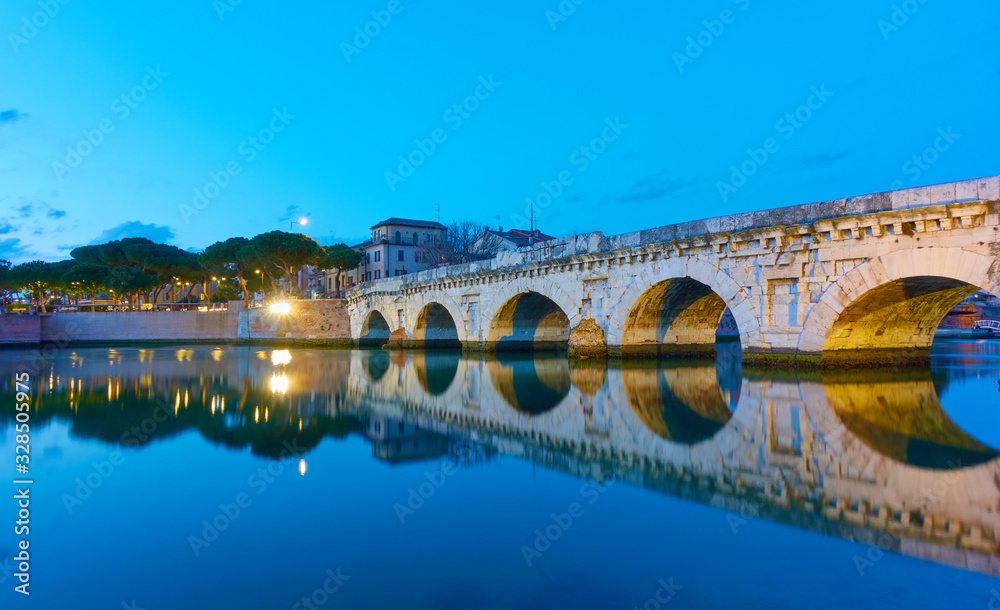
(432, 480)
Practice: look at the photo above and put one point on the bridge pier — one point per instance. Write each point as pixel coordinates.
(587, 341)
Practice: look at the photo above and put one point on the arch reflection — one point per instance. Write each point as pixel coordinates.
(685, 403)
(436, 370)
(375, 364)
(901, 418)
(532, 385)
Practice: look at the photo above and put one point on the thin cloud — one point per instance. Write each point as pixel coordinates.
(158, 233)
(655, 186)
(292, 212)
(822, 159)
(12, 248)
(11, 116)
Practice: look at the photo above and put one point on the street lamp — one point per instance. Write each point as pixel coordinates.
(302, 221)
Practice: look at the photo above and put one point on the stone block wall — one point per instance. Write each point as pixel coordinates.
(320, 320)
(139, 326)
(19, 328)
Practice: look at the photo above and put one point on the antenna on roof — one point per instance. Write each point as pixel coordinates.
(532, 225)
(498, 223)
(437, 208)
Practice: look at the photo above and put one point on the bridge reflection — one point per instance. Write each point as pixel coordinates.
(901, 418)
(861, 457)
(682, 402)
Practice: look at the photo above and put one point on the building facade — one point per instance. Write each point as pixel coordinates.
(398, 246)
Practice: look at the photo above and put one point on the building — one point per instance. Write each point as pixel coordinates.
(500, 240)
(397, 246)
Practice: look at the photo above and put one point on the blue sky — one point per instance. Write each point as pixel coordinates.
(506, 95)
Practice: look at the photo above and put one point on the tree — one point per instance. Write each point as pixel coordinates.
(286, 252)
(87, 254)
(458, 245)
(235, 253)
(228, 289)
(38, 279)
(164, 261)
(86, 278)
(340, 257)
(128, 281)
(7, 287)
(187, 270)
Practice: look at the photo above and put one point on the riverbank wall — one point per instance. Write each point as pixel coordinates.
(323, 322)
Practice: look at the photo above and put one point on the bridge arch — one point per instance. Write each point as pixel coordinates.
(374, 329)
(531, 312)
(437, 325)
(887, 309)
(675, 307)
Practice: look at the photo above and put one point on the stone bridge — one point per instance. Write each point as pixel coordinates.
(864, 280)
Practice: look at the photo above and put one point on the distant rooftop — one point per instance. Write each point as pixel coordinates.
(521, 238)
(406, 222)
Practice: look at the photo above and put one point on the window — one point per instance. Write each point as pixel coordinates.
(415, 237)
(368, 258)
(368, 276)
(400, 255)
(377, 275)
(399, 237)
(400, 314)
(378, 255)
(396, 272)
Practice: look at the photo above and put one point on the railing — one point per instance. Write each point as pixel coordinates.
(993, 325)
(111, 306)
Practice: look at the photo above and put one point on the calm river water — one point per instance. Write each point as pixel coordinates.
(245, 477)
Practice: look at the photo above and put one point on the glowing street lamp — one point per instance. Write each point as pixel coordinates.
(280, 308)
(302, 221)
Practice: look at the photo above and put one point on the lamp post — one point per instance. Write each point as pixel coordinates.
(302, 221)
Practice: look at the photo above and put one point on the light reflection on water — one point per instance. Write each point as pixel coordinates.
(904, 460)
